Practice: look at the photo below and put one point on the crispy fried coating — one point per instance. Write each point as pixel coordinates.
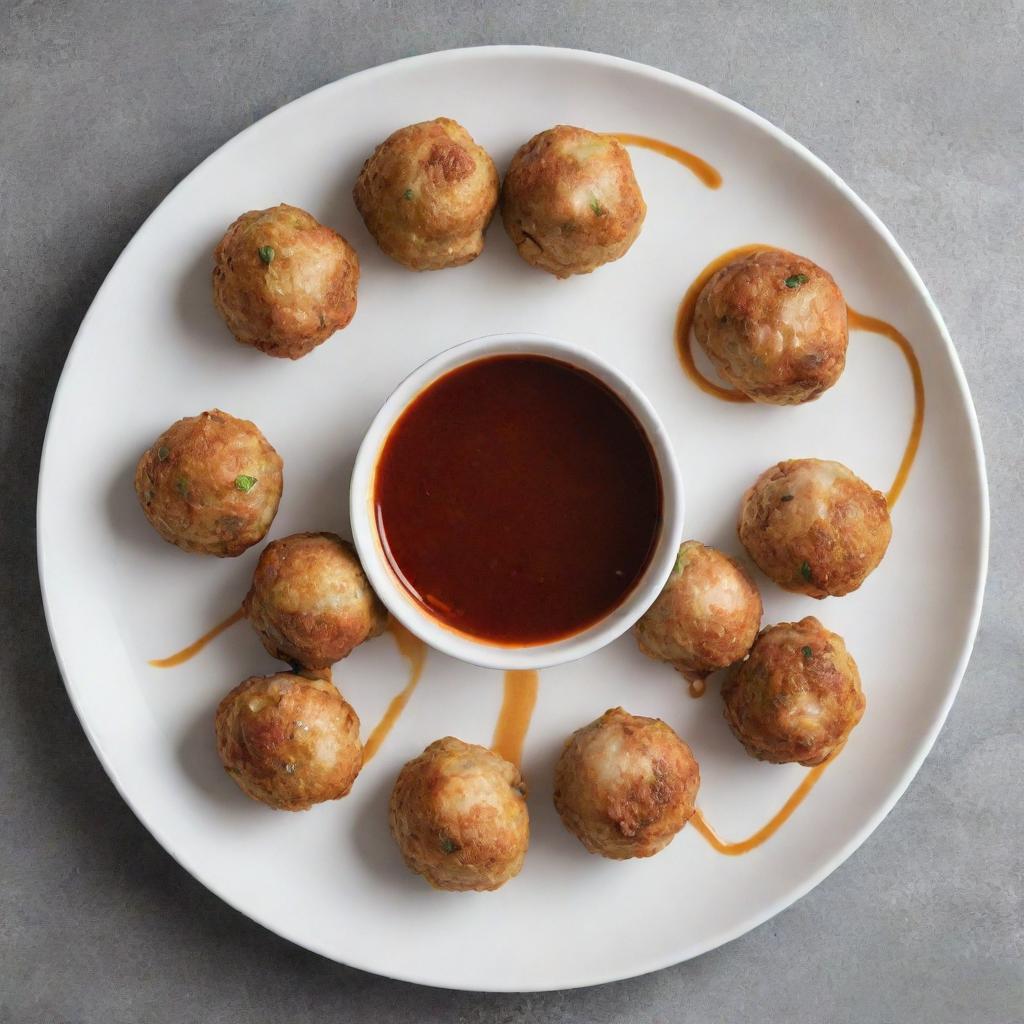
(625, 786)
(706, 616)
(427, 194)
(458, 813)
(814, 527)
(288, 741)
(797, 697)
(774, 326)
(570, 201)
(310, 601)
(283, 282)
(210, 484)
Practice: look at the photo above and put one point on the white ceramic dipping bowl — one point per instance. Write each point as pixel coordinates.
(418, 619)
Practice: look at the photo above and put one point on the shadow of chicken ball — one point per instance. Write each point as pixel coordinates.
(570, 201)
(814, 527)
(427, 194)
(797, 697)
(458, 813)
(705, 618)
(624, 786)
(310, 601)
(210, 484)
(288, 741)
(283, 282)
(774, 326)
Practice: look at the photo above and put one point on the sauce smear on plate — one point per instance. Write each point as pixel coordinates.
(516, 711)
(857, 322)
(518, 499)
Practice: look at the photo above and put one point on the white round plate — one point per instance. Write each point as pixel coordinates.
(152, 349)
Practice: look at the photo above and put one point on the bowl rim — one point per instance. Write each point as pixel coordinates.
(410, 613)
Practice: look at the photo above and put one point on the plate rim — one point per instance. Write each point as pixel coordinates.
(572, 976)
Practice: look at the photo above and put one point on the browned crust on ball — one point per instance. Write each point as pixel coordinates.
(777, 343)
(297, 300)
(570, 201)
(625, 785)
(187, 483)
(427, 194)
(814, 527)
(310, 601)
(458, 813)
(797, 697)
(288, 741)
(706, 616)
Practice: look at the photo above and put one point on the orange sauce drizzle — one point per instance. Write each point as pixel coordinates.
(684, 325)
(194, 648)
(857, 321)
(414, 650)
(411, 648)
(516, 711)
(701, 168)
(766, 831)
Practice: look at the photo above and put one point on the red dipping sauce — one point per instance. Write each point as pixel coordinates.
(518, 499)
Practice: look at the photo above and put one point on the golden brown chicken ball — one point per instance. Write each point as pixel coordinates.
(283, 281)
(310, 600)
(458, 813)
(570, 201)
(624, 785)
(797, 697)
(814, 527)
(707, 615)
(288, 741)
(774, 326)
(210, 484)
(427, 194)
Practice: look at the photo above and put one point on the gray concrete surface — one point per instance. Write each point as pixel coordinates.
(105, 106)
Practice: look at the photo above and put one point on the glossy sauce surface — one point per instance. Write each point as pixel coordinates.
(518, 499)
(414, 650)
(858, 321)
(174, 660)
(707, 174)
(767, 830)
(517, 706)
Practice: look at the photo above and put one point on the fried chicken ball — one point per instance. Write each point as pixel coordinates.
(814, 527)
(774, 326)
(283, 281)
(705, 618)
(797, 697)
(624, 786)
(210, 484)
(570, 201)
(427, 194)
(458, 813)
(310, 600)
(288, 741)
